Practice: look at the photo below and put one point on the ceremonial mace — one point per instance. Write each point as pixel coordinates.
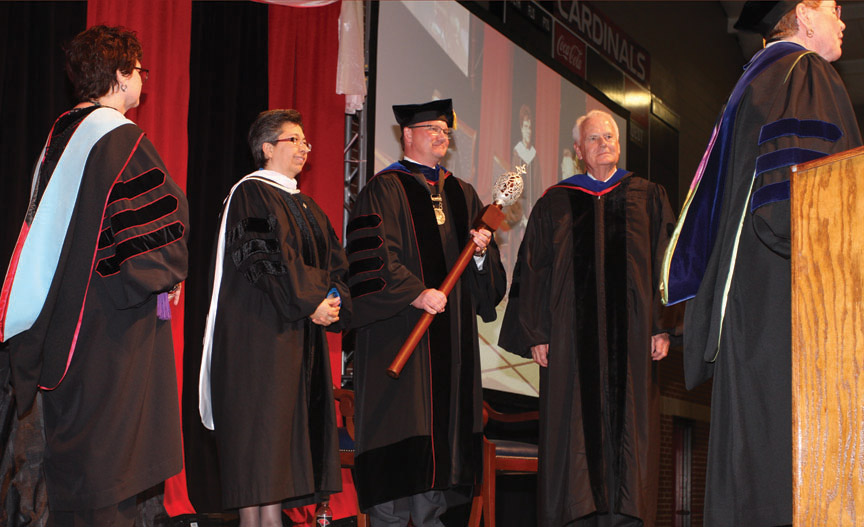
(506, 191)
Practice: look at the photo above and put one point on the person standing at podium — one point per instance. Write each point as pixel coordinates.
(788, 107)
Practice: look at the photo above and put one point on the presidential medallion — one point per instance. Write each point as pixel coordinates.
(438, 207)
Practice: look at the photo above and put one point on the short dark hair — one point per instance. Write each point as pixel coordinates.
(95, 55)
(266, 129)
(524, 114)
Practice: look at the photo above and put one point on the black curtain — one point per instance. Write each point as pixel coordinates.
(228, 90)
(33, 92)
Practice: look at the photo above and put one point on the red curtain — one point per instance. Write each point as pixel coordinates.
(303, 53)
(303, 50)
(164, 28)
(547, 125)
(494, 105)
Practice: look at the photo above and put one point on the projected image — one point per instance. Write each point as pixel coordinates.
(511, 110)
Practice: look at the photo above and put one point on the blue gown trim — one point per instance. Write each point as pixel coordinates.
(693, 241)
(770, 194)
(784, 158)
(800, 128)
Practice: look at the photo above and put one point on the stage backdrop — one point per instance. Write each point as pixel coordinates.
(496, 87)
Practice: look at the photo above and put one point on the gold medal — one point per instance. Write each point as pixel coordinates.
(438, 207)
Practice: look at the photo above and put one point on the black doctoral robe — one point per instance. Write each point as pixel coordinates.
(272, 396)
(103, 357)
(738, 325)
(422, 431)
(586, 284)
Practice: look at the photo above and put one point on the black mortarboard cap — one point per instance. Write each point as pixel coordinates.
(440, 110)
(761, 17)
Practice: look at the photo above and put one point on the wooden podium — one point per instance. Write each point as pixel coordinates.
(827, 212)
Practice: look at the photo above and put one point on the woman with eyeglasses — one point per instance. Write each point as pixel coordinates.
(85, 304)
(278, 285)
(789, 106)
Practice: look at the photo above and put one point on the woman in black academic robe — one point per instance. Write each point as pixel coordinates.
(102, 248)
(278, 285)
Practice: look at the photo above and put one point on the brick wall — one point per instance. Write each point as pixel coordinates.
(692, 405)
(700, 459)
(665, 498)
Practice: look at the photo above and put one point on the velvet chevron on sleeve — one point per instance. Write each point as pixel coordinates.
(98, 350)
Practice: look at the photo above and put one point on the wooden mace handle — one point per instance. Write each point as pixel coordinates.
(490, 218)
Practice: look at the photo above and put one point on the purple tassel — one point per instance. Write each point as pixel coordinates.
(163, 307)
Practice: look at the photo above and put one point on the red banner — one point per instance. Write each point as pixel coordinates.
(570, 50)
(603, 35)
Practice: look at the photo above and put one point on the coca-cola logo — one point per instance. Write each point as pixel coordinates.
(573, 52)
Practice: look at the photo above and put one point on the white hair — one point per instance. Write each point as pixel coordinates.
(577, 128)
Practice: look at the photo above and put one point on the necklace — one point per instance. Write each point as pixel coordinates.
(98, 104)
(437, 202)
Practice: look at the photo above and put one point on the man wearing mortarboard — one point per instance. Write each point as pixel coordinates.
(419, 437)
(729, 255)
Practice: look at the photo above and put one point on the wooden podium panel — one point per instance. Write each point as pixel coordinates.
(827, 213)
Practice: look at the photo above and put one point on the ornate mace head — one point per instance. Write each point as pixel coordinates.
(508, 187)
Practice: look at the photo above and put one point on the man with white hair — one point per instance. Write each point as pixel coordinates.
(584, 305)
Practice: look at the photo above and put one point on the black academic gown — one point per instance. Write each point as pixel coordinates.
(422, 431)
(586, 284)
(796, 109)
(111, 410)
(272, 394)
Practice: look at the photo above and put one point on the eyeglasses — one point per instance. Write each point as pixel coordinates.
(435, 130)
(295, 140)
(836, 8)
(145, 73)
(595, 138)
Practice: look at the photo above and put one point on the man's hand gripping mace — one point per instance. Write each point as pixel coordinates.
(506, 191)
